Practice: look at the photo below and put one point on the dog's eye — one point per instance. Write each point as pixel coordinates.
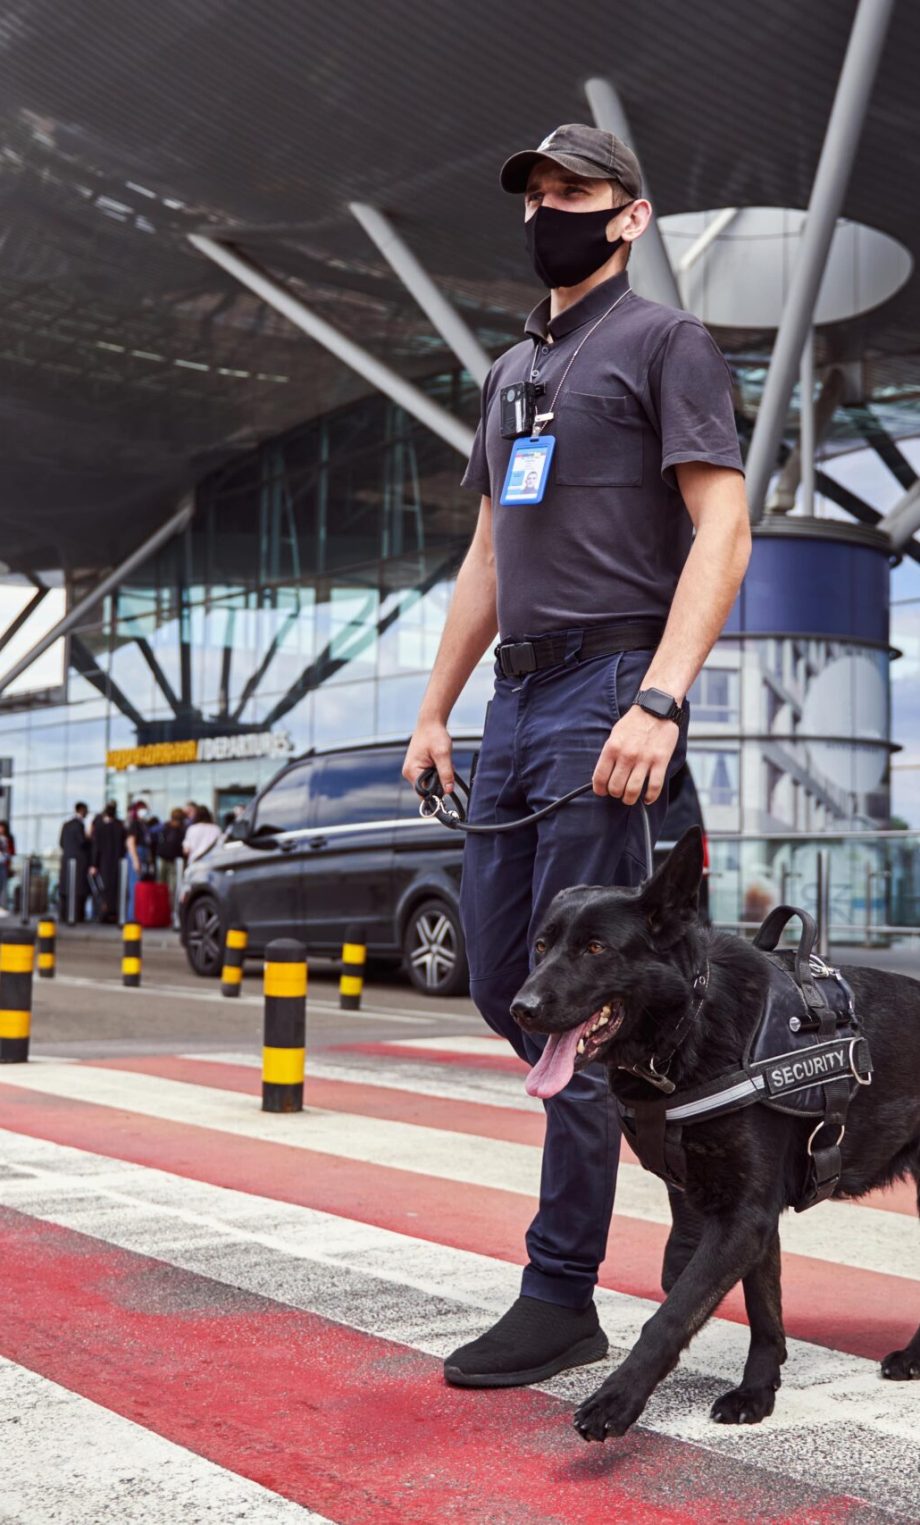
(539, 947)
(596, 947)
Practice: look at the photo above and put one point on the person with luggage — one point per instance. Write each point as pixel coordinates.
(139, 849)
(107, 851)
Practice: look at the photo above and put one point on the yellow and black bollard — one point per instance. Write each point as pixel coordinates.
(47, 933)
(17, 960)
(285, 986)
(131, 954)
(354, 958)
(231, 976)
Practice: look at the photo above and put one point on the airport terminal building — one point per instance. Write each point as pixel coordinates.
(239, 381)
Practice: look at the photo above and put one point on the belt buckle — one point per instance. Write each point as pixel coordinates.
(522, 658)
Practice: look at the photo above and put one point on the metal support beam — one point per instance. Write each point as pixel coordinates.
(828, 401)
(807, 423)
(887, 449)
(74, 616)
(710, 233)
(457, 335)
(902, 521)
(15, 625)
(654, 276)
(844, 126)
(380, 376)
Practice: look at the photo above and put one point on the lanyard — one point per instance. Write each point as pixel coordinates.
(544, 418)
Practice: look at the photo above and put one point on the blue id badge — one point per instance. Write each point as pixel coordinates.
(528, 470)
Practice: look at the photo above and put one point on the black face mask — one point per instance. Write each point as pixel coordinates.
(567, 247)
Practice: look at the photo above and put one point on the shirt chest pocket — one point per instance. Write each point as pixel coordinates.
(599, 440)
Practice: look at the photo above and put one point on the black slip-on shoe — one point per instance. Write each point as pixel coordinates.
(532, 1342)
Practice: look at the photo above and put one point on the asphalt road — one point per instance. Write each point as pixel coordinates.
(85, 1012)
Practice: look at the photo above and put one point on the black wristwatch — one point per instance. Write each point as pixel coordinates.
(657, 703)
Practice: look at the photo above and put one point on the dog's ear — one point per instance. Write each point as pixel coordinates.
(671, 899)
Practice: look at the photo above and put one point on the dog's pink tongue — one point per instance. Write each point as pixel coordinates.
(556, 1064)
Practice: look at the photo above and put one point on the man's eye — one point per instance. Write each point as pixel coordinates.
(596, 947)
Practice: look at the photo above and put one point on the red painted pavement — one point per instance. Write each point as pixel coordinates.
(356, 1427)
(367, 1100)
(865, 1313)
(506, 1063)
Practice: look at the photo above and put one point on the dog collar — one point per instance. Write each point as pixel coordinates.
(653, 1070)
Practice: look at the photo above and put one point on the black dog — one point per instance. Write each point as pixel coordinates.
(613, 982)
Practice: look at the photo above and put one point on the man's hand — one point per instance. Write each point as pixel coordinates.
(430, 747)
(639, 747)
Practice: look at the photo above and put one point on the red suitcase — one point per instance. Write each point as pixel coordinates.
(151, 904)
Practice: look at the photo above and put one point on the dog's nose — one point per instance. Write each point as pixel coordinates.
(526, 1010)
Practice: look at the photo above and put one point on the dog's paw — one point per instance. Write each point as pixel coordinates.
(609, 1411)
(744, 1405)
(902, 1365)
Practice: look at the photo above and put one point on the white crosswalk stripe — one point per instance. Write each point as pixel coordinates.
(836, 1426)
(66, 1458)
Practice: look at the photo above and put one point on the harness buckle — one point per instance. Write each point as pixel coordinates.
(517, 658)
(862, 1080)
(816, 1130)
(652, 1075)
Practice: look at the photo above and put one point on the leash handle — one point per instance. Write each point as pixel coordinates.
(452, 809)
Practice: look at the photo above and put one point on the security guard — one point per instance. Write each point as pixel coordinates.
(612, 539)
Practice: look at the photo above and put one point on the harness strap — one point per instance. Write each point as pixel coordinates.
(657, 1125)
(659, 1144)
(824, 1159)
(840, 1058)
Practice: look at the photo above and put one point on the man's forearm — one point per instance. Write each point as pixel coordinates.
(471, 625)
(706, 590)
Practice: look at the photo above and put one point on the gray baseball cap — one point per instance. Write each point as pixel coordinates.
(585, 151)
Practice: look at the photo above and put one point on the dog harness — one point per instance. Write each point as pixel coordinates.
(806, 1057)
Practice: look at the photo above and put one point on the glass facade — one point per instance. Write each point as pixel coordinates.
(302, 607)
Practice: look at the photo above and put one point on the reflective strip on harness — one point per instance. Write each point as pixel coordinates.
(769, 1080)
(731, 1097)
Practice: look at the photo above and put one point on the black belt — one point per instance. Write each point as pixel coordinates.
(519, 657)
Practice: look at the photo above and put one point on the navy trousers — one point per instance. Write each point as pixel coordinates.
(542, 737)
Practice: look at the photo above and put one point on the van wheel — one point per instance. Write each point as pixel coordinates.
(203, 941)
(434, 950)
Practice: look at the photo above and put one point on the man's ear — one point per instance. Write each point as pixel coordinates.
(671, 898)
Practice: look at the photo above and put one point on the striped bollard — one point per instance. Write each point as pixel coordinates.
(47, 933)
(17, 960)
(285, 988)
(131, 954)
(231, 975)
(354, 958)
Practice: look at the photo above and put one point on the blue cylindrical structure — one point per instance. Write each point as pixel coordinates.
(790, 718)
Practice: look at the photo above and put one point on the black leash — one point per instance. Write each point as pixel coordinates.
(452, 809)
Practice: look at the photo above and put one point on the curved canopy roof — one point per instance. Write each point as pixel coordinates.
(129, 365)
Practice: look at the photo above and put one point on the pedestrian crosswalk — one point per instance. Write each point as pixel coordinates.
(213, 1313)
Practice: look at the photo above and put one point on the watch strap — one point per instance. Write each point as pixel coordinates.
(652, 700)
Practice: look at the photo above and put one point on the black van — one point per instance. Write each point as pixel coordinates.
(336, 838)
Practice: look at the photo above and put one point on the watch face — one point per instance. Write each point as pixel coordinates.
(657, 702)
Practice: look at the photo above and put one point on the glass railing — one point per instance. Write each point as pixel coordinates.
(864, 886)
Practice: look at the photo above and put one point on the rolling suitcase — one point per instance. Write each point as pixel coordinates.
(151, 904)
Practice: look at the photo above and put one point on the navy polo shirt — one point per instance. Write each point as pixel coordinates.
(649, 388)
